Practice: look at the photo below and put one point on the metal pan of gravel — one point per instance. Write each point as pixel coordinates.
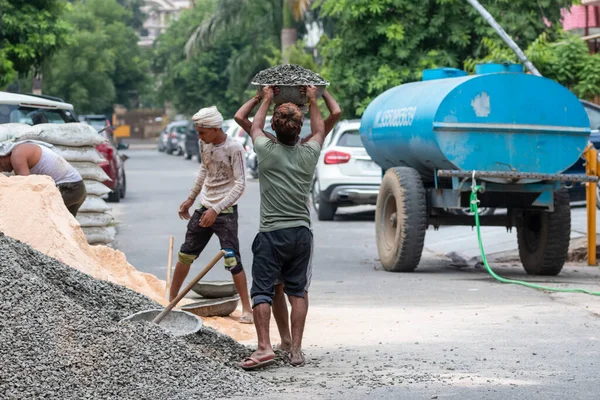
(179, 323)
(61, 338)
(289, 78)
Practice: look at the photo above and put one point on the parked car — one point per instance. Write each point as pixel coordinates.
(175, 135)
(114, 166)
(236, 132)
(345, 174)
(162, 141)
(577, 192)
(244, 139)
(30, 109)
(191, 144)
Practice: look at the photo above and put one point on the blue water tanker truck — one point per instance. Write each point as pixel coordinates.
(513, 133)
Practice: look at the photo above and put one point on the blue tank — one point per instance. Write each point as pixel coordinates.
(499, 119)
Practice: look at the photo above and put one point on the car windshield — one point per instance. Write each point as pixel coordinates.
(33, 116)
(180, 129)
(97, 124)
(350, 139)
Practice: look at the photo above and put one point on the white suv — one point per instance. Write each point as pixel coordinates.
(30, 109)
(345, 174)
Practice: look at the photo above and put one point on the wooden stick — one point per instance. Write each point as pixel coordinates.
(189, 287)
(169, 267)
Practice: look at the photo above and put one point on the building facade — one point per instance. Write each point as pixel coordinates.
(160, 14)
(584, 19)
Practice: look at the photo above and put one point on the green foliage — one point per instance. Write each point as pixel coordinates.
(221, 61)
(380, 44)
(30, 32)
(567, 61)
(136, 19)
(200, 80)
(103, 64)
(296, 54)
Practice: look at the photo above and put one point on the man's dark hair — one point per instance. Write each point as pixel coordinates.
(287, 122)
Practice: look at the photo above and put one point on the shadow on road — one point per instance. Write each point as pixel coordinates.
(354, 216)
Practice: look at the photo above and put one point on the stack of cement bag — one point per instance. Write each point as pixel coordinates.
(76, 143)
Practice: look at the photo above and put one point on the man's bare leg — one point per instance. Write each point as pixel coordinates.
(280, 312)
(262, 317)
(181, 272)
(299, 311)
(241, 285)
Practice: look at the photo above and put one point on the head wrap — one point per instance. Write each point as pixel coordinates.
(208, 117)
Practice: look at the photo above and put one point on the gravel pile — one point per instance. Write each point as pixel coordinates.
(60, 338)
(288, 74)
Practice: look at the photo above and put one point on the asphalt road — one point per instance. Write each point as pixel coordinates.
(441, 332)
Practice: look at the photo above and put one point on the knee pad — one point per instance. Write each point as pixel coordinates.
(186, 259)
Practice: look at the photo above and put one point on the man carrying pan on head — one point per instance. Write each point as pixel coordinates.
(284, 243)
(280, 310)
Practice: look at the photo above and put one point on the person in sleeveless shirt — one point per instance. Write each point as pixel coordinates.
(33, 159)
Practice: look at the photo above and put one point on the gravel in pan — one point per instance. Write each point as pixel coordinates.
(60, 338)
(288, 74)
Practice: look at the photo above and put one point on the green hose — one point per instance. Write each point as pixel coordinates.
(475, 210)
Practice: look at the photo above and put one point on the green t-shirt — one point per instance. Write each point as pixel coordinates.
(285, 174)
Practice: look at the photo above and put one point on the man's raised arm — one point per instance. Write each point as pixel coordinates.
(261, 116)
(317, 126)
(241, 116)
(335, 113)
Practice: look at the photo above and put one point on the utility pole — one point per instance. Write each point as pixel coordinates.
(507, 39)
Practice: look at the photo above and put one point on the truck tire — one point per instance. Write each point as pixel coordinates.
(401, 219)
(544, 237)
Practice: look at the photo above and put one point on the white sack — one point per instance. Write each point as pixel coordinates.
(95, 188)
(79, 154)
(93, 219)
(100, 235)
(71, 134)
(94, 204)
(12, 131)
(90, 171)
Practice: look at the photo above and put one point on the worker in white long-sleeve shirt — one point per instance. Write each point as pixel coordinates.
(220, 183)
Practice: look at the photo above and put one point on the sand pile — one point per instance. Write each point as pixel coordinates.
(32, 211)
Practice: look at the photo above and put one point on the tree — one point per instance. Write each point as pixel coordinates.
(380, 44)
(201, 79)
(567, 61)
(219, 72)
(30, 32)
(137, 17)
(103, 65)
(279, 19)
